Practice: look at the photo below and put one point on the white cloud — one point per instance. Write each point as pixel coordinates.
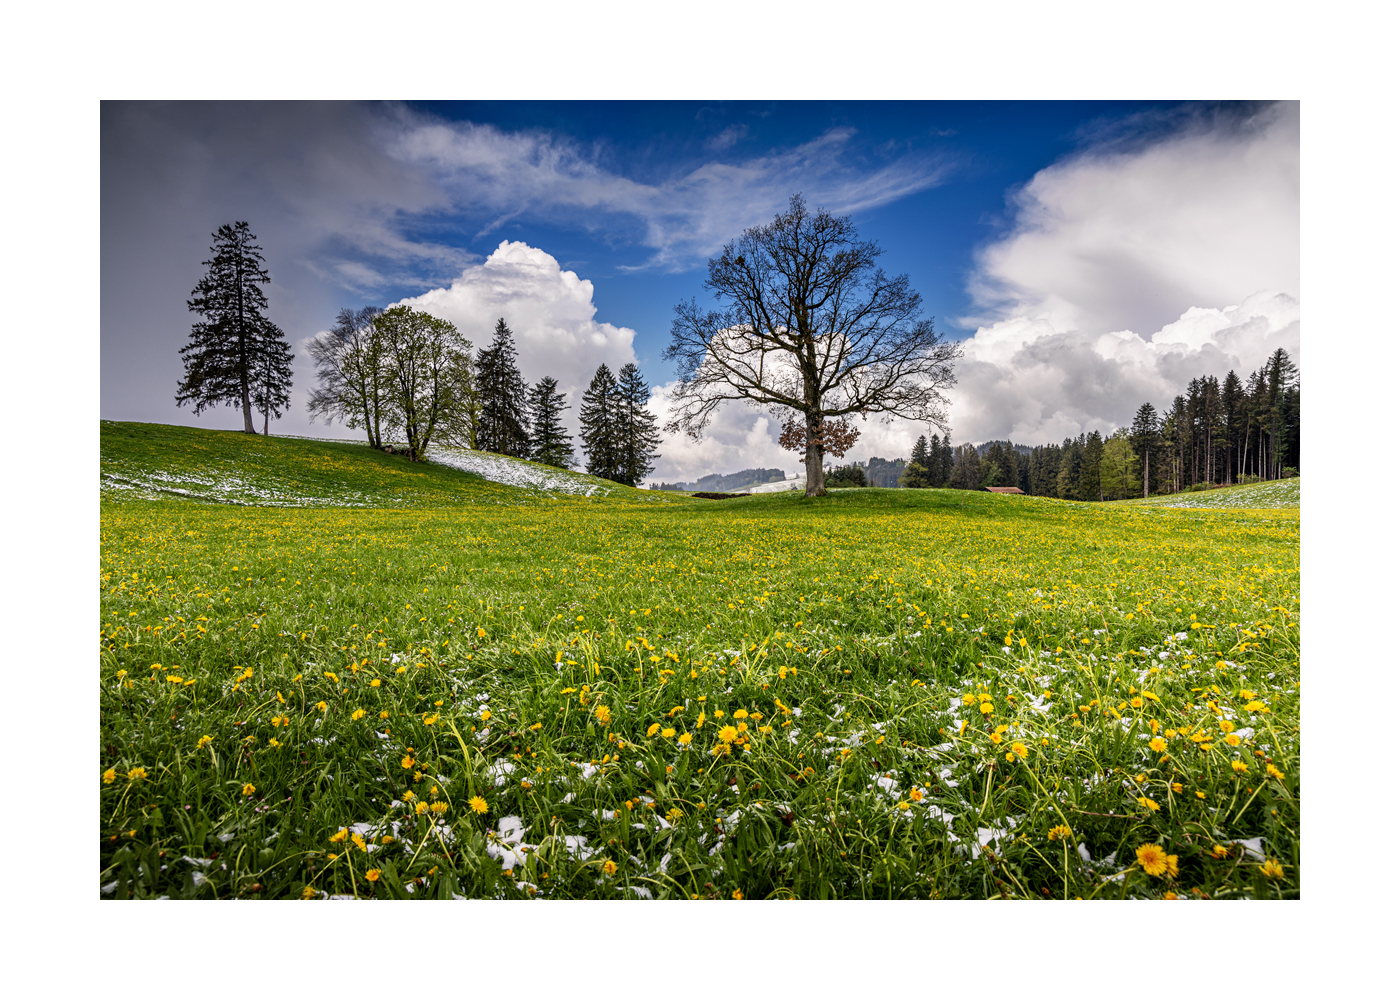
(684, 217)
(550, 311)
(1194, 235)
(1118, 238)
(1029, 381)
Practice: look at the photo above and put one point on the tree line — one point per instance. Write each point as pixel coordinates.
(1217, 433)
(404, 377)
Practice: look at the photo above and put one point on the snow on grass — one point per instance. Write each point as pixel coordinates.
(518, 472)
(1280, 493)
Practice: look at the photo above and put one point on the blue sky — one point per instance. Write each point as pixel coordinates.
(1066, 243)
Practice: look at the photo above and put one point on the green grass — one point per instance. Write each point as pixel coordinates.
(859, 634)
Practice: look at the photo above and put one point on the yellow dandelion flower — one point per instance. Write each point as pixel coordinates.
(653, 729)
(1152, 858)
(1239, 766)
(340, 835)
(1273, 772)
(609, 867)
(1148, 804)
(603, 714)
(1172, 869)
(1060, 832)
(477, 803)
(1020, 750)
(668, 732)
(728, 734)
(372, 875)
(738, 894)
(1220, 851)
(916, 794)
(1271, 869)
(249, 788)
(684, 739)
(1158, 745)
(136, 774)
(357, 715)
(109, 776)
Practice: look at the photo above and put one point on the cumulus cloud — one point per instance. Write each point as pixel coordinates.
(1128, 236)
(1193, 234)
(1026, 380)
(550, 312)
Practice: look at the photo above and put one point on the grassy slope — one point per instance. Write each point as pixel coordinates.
(154, 460)
(1278, 494)
(863, 593)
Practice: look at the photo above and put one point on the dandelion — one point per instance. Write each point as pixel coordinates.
(1020, 750)
(603, 714)
(1060, 832)
(477, 803)
(1152, 858)
(203, 742)
(1256, 706)
(359, 842)
(1172, 869)
(1273, 772)
(486, 715)
(916, 795)
(995, 738)
(420, 809)
(249, 789)
(653, 729)
(340, 836)
(738, 894)
(610, 868)
(1220, 851)
(136, 774)
(1158, 745)
(728, 734)
(1148, 804)
(668, 732)
(374, 683)
(109, 776)
(407, 762)
(321, 706)
(439, 807)
(1239, 766)
(1271, 869)
(357, 715)
(372, 875)
(684, 739)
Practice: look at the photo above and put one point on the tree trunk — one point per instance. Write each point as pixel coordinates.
(816, 479)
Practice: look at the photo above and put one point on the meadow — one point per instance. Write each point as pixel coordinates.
(325, 671)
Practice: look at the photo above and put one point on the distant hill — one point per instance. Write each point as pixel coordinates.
(721, 483)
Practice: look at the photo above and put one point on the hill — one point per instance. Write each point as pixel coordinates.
(159, 460)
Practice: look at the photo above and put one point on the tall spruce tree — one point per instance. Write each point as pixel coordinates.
(549, 445)
(501, 390)
(1145, 436)
(221, 360)
(272, 372)
(1089, 487)
(916, 473)
(639, 436)
(598, 419)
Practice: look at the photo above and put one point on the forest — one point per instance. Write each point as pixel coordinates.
(1219, 432)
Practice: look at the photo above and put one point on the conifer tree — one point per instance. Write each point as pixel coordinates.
(639, 438)
(221, 360)
(598, 420)
(501, 388)
(272, 372)
(1089, 487)
(916, 473)
(1144, 436)
(549, 445)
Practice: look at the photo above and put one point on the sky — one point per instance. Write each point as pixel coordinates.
(1088, 256)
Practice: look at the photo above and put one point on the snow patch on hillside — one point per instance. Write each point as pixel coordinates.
(515, 472)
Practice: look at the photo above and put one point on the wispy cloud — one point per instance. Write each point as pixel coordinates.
(681, 218)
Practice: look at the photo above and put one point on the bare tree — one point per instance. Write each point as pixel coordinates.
(352, 376)
(809, 324)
